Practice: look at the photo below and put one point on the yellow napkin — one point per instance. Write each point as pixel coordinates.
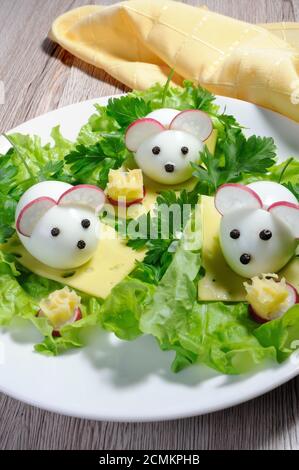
(139, 41)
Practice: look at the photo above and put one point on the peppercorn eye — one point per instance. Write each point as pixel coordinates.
(55, 231)
(85, 223)
(235, 233)
(156, 150)
(265, 234)
(184, 150)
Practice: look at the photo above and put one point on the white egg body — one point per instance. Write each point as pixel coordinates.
(266, 256)
(170, 165)
(164, 115)
(271, 192)
(60, 251)
(53, 189)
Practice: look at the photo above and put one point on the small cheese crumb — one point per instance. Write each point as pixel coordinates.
(59, 307)
(125, 184)
(267, 295)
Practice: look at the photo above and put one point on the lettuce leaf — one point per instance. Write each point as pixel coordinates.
(188, 96)
(216, 334)
(122, 309)
(282, 334)
(14, 300)
(19, 297)
(98, 125)
(285, 172)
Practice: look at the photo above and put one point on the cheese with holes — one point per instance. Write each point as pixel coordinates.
(60, 306)
(112, 261)
(220, 282)
(125, 184)
(267, 294)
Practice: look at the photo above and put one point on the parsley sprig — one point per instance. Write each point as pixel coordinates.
(234, 158)
(127, 109)
(160, 250)
(93, 163)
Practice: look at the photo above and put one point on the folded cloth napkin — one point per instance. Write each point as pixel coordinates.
(139, 41)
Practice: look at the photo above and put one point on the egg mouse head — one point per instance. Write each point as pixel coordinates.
(62, 233)
(164, 154)
(255, 239)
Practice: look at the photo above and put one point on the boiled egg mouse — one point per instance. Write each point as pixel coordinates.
(58, 223)
(259, 231)
(167, 141)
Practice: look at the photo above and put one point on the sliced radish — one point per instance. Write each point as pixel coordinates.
(288, 213)
(293, 299)
(84, 195)
(195, 122)
(271, 192)
(32, 213)
(231, 196)
(141, 130)
(126, 203)
(164, 115)
(77, 316)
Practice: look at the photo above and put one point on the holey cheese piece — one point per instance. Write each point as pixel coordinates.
(220, 281)
(111, 263)
(59, 241)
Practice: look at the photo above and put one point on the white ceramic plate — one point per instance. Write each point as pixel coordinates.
(131, 381)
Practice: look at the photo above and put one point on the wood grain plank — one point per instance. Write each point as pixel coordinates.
(40, 76)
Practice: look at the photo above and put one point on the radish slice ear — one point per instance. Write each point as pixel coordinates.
(230, 197)
(32, 213)
(288, 213)
(83, 195)
(195, 122)
(141, 130)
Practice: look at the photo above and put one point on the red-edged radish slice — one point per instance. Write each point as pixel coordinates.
(141, 130)
(77, 316)
(271, 192)
(288, 213)
(293, 299)
(125, 203)
(32, 213)
(195, 122)
(84, 195)
(233, 196)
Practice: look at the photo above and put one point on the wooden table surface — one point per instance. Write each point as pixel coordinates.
(39, 76)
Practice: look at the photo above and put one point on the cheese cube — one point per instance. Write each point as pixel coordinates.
(125, 184)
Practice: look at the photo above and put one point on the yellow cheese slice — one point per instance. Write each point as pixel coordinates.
(220, 282)
(112, 261)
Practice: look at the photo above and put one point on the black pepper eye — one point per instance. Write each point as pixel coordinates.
(85, 223)
(265, 234)
(55, 232)
(81, 244)
(184, 150)
(234, 234)
(245, 258)
(156, 150)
